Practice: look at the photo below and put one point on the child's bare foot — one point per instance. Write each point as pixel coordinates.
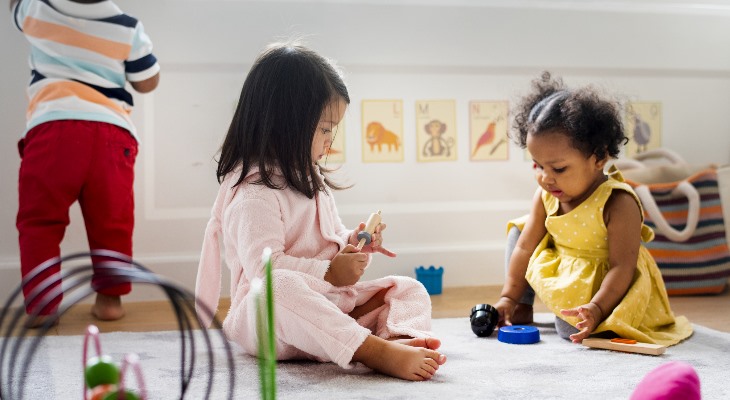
(522, 314)
(399, 360)
(107, 308)
(426, 343)
(38, 321)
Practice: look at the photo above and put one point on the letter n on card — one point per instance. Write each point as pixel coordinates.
(488, 130)
(382, 130)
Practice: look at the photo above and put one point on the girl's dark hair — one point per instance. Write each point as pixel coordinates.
(282, 100)
(592, 123)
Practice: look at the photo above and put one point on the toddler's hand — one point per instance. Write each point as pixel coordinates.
(589, 314)
(376, 240)
(347, 267)
(505, 307)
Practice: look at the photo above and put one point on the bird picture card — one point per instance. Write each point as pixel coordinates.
(488, 124)
(436, 130)
(382, 130)
(336, 153)
(643, 123)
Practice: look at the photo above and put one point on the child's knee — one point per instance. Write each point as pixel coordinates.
(564, 329)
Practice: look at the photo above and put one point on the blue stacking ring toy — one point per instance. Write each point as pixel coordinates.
(518, 334)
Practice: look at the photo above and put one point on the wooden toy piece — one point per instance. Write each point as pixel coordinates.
(99, 392)
(626, 345)
(365, 236)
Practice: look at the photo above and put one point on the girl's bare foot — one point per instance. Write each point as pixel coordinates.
(426, 343)
(107, 308)
(522, 314)
(399, 360)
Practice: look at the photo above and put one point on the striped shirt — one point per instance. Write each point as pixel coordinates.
(81, 57)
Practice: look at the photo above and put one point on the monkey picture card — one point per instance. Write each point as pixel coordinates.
(382, 130)
(436, 132)
(488, 124)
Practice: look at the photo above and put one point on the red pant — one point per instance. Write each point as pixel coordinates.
(64, 161)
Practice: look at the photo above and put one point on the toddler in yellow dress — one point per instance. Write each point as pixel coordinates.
(580, 248)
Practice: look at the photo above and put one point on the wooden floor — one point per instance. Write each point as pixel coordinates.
(711, 311)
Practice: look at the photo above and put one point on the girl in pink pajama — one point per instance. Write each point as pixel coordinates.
(274, 194)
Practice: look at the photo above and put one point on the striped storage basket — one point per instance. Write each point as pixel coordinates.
(690, 244)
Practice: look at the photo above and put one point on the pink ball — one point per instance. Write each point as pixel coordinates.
(674, 380)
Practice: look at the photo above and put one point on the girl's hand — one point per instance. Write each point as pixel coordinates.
(505, 307)
(376, 240)
(347, 267)
(590, 315)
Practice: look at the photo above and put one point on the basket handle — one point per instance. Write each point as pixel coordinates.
(662, 152)
(624, 164)
(638, 160)
(693, 213)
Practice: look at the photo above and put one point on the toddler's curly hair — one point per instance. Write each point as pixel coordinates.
(591, 121)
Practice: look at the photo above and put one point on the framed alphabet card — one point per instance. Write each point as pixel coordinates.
(643, 124)
(488, 130)
(436, 130)
(382, 130)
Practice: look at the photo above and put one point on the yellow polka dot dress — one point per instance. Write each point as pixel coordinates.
(570, 263)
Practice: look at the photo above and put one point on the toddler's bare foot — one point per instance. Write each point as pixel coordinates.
(522, 314)
(426, 343)
(399, 360)
(38, 321)
(107, 308)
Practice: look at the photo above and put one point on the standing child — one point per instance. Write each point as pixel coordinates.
(580, 247)
(274, 194)
(80, 143)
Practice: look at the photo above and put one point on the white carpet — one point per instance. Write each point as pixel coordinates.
(477, 368)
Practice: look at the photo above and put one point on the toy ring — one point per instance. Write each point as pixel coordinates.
(518, 334)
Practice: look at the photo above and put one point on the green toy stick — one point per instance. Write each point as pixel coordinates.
(265, 331)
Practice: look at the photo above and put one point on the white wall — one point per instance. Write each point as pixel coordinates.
(451, 214)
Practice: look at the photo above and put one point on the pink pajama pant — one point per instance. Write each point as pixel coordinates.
(312, 321)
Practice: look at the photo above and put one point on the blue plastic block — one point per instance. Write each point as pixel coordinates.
(431, 278)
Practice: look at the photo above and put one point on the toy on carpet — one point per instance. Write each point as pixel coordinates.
(518, 334)
(673, 380)
(625, 345)
(483, 319)
(365, 235)
(431, 278)
(109, 269)
(103, 379)
(265, 329)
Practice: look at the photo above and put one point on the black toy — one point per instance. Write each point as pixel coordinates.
(483, 319)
